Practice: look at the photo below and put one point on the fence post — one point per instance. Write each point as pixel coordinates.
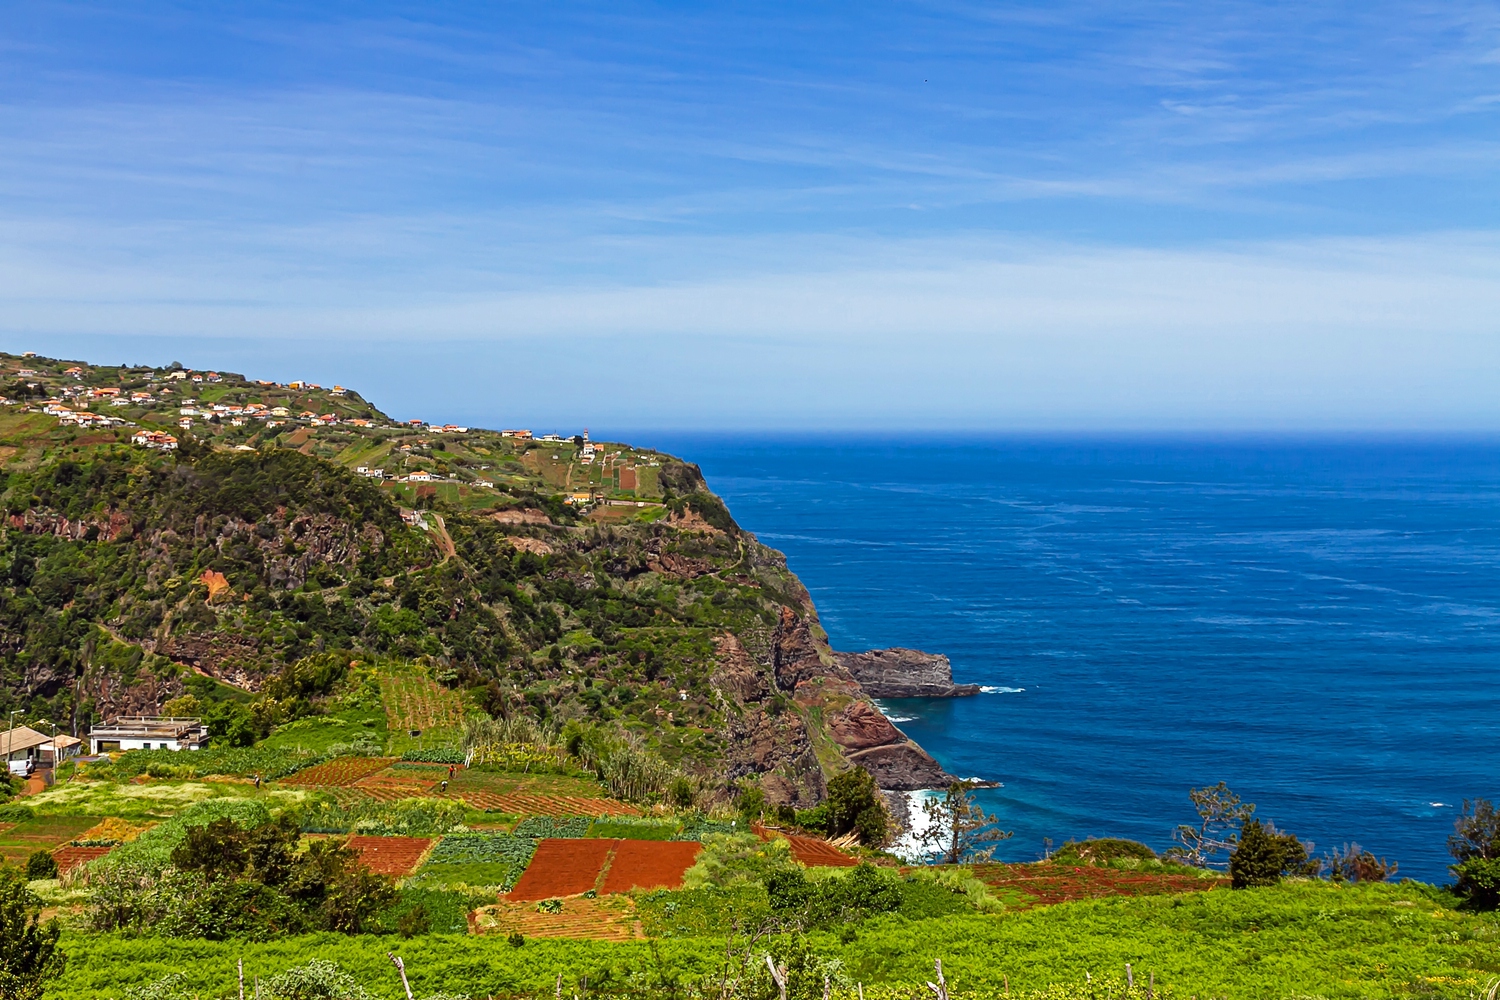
(242, 979)
(1129, 977)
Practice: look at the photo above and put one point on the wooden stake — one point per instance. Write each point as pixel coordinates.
(401, 968)
(1129, 977)
(242, 979)
(777, 975)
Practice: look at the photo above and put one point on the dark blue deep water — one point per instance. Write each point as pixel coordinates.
(1315, 622)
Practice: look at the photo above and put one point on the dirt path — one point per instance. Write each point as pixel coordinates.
(444, 540)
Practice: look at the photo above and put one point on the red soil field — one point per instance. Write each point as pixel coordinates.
(68, 858)
(649, 864)
(391, 855)
(343, 771)
(562, 868)
(1048, 884)
(810, 851)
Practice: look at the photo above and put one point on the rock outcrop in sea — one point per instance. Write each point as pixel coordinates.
(904, 673)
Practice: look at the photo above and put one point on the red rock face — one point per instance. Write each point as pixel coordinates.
(860, 727)
(795, 654)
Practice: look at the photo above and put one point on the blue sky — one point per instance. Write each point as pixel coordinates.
(885, 215)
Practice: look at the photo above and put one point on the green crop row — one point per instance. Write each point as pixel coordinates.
(544, 827)
(270, 763)
(1292, 940)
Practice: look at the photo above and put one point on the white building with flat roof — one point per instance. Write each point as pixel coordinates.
(143, 732)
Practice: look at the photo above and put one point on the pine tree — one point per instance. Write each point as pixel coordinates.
(958, 830)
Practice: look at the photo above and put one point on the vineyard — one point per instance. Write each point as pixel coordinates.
(413, 701)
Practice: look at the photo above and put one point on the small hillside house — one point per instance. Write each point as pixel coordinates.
(141, 732)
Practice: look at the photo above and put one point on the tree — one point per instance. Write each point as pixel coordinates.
(1263, 855)
(28, 948)
(1476, 832)
(958, 830)
(1220, 814)
(1475, 845)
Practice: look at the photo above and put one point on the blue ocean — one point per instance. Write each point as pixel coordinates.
(1315, 622)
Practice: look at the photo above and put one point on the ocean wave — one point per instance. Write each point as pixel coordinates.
(902, 718)
(987, 689)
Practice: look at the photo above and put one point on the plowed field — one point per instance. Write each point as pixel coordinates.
(341, 772)
(68, 858)
(391, 855)
(649, 864)
(562, 868)
(1047, 884)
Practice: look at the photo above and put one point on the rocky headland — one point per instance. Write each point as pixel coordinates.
(904, 673)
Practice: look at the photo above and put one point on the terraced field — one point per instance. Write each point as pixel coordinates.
(810, 851)
(340, 773)
(606, 919)
(397, 856)
(68, 858)
(532, 804)
(19, 840)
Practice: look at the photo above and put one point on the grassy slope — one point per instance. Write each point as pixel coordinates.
(1293, 940)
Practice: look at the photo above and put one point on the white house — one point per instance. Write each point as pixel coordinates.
(141, 732)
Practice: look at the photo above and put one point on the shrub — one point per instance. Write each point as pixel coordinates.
(41, 864)
(1102, 851)
(736, 857)
(319, 979)
(1264, 854)
(1479, 882)
(151, 851)
(1354, 864)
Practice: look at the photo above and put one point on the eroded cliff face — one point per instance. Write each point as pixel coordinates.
(801, 714)
(903, 673)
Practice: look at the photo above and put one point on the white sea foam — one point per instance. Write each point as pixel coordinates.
(902, 718)
(987, 689)
(1440, 805)
(909, 847)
